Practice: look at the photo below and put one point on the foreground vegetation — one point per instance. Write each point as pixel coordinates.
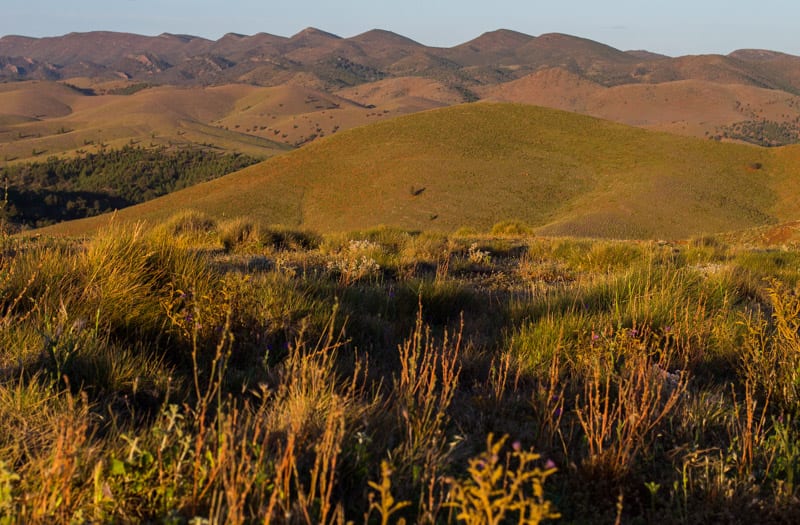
(230, 372)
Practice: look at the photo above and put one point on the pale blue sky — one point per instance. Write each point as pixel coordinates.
(673, 27)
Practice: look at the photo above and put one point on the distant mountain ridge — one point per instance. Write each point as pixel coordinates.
(331, 62)
(260, 94)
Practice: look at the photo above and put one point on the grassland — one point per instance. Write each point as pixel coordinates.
(39, 119)
(42, 119)
(53, 119)
(234, 372)
(474, 165)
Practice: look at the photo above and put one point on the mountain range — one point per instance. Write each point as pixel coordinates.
(262, 93)
(323, 60)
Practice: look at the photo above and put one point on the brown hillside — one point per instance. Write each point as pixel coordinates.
(403, 92)
(243, 47)
(37, 100)
(713, 68)
(494, 47)
(101, 46)
(552, 87)
(548, 49)
(688, 107)
(64, 121)
(783, 67)
(293, 114)
(385, 46)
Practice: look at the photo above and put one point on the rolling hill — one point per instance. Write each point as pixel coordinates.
(39, 119)
(698, 108)
(247, 93)
(474, 165)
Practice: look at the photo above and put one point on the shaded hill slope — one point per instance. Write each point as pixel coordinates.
(474, 165)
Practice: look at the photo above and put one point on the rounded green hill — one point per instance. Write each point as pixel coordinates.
(476, 164)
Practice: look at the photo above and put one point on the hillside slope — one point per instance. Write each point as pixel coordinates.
(687, 107)
(39, 119)
(473, 165)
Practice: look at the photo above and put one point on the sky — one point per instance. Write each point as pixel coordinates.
(672, 27)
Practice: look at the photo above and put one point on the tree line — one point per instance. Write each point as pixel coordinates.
(40, 193)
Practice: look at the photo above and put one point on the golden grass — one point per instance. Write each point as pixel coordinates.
(475, 165)
(52, 119)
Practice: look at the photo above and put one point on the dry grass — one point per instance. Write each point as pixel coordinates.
(651, 386)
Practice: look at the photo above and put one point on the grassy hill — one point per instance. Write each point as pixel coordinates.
(474, 165)
(39, 119)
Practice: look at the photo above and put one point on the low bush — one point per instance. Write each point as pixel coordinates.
(237, 233)
(511, 228)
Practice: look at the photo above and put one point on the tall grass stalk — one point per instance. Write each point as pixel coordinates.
(618, 411)
(425, 387)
